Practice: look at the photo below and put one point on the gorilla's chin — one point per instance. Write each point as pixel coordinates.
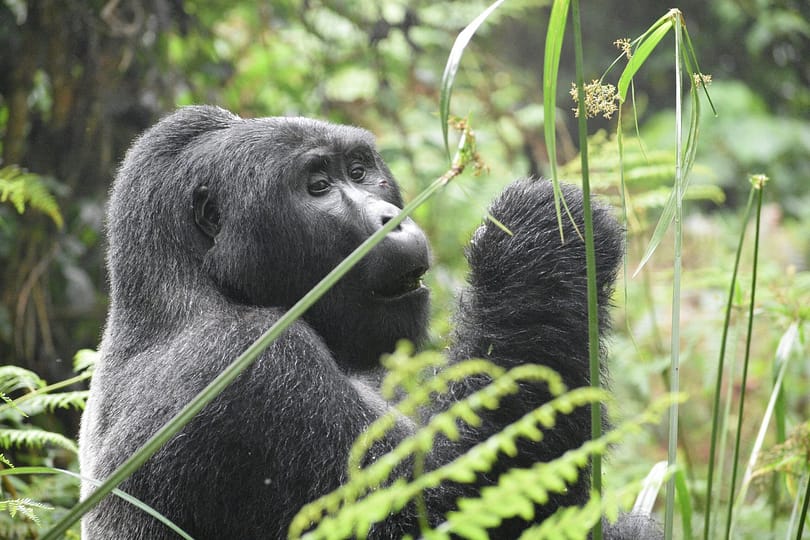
(382, 320)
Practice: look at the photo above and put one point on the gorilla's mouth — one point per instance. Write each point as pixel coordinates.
(404, 284)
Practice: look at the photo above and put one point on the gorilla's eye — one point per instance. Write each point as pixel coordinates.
(318, 187)
(357, 172)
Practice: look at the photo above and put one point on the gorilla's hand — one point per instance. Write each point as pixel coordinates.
(527, 300)
(535, 259)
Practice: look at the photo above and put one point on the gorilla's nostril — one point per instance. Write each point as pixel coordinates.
(386, 219)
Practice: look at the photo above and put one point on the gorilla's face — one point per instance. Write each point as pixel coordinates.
(296, 197)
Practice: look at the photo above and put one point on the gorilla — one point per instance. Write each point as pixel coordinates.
(216, 226)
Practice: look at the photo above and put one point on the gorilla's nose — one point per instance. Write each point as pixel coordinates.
(402, 257)
(381, 212)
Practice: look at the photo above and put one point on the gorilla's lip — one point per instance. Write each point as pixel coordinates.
(406, 284)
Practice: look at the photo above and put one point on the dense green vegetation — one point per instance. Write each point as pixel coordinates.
(81, 79)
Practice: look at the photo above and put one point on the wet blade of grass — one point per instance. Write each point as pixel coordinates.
(451, 68)
(551, 67)
(590, 265)
(674, 369)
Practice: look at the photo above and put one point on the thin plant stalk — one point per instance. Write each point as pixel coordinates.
(720, 367)
(780, 425)
(803, 516)
(590, 264)
(783, 355)
(725, 420)
(246, 359)
(674, 370)
(759, 184)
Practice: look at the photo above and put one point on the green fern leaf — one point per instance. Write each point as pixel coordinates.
(22, 188)
(24, 506)
(50, 402)
(568, 523)
(34, 438)
(16, 378)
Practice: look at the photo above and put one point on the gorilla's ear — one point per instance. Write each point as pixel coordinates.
(206, 213)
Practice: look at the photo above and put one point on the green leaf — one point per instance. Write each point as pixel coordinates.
(684, 502)
(451, 67)
(644, 49)
(50, 402)
(664, 221)
(21, 188)
(551, 67)
(467, 529)
(85, 359)
(34, 438)
(16, 378)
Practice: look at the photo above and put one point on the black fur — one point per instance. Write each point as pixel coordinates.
(217, 225)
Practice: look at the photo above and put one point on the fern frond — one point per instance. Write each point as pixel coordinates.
(51, 402)
(406, 371)
(355, 516)
(352, 509)
(16, 378)
(444, 423)
(567, 523)
(21, 188)
(421, 396)
(85, 359)
(25, 507)
(34, 438)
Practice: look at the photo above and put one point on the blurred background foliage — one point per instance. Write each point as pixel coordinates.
(79, 79)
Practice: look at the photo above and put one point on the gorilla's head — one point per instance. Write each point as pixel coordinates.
(212, 206)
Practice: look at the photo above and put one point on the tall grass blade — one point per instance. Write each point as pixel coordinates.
(590, 264)
(451, 68)
(674, 370)
(668, 213)
(744, 379)
(803, 516)
(551, 68)
(720, 366)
